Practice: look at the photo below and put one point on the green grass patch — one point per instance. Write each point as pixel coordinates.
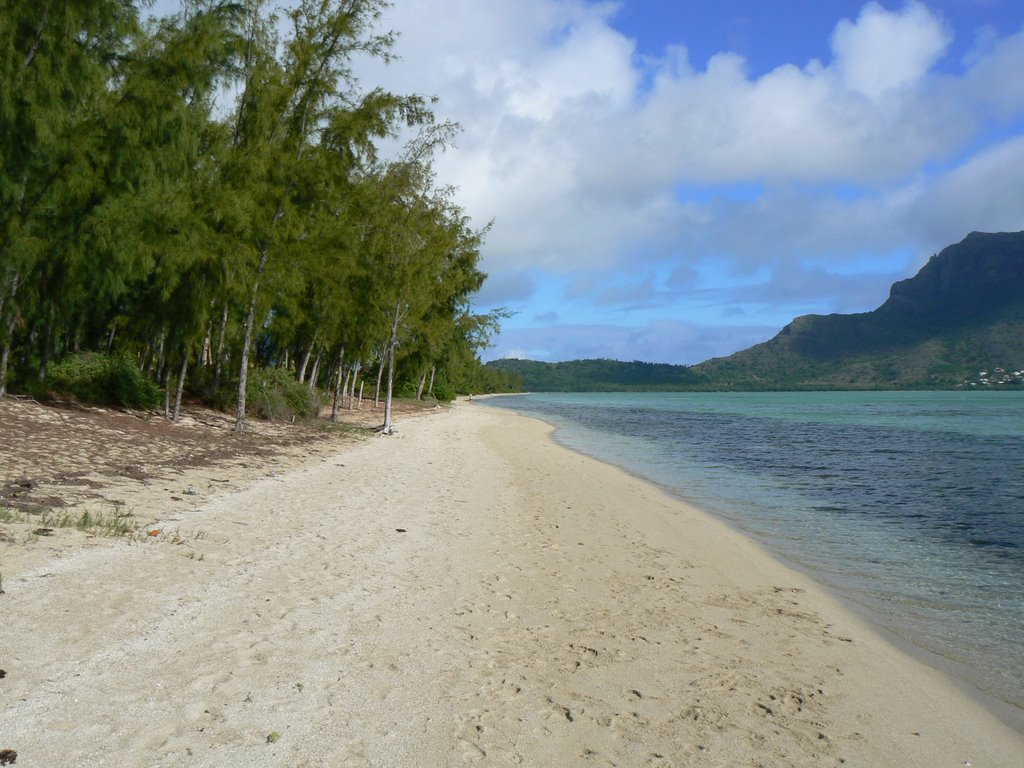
(114, 523)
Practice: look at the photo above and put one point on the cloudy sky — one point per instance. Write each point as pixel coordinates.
(672, 180)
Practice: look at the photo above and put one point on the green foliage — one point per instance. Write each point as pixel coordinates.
(475, 378)
(136, 216)
(444, 392)
(274, 394)
(598, 376)
(103, 379)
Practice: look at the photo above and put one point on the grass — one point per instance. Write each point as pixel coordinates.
(114, 523)
(326, 426)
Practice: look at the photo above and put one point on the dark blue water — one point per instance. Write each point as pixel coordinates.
(910, 505)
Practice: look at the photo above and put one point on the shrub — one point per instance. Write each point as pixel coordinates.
(404, 388)
(443, 391)
(103, 379)
(274, 394)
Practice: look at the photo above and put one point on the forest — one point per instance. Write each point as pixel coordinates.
(212, 205)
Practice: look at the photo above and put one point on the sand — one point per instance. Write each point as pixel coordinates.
(465, 592)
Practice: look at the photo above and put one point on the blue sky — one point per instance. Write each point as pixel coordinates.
(673, 180)
(770, 33)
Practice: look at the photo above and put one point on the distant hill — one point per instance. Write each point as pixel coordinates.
(961, 315)
(599, 376)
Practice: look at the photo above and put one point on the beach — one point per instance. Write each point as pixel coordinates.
(465, 592)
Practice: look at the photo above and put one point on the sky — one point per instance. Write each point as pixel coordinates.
(674, 180)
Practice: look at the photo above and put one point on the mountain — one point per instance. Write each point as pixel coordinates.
(961, 315)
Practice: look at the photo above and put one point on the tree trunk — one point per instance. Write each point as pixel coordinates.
(167, 391)
(110, 339)
(315, 374)
(3, 298)
(35, 44)
(160, 359)
(76, 340)
(305, 361)
(5, 356)
(430, 389)
(7, 329)
(26, 348)
(206, 353)
(352, 385)
(144, 357)
(47, 342)
(218, 363)
(388, 427)
(338, 384)
(243, 370)
(361, 394)
(422, 384)
(380, 374)
(181, 385)
(344, 385)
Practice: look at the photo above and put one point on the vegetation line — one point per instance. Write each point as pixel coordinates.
(155, 241)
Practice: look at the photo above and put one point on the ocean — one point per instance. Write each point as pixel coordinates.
(908, 505)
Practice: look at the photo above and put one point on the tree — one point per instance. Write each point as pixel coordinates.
(287, 106)
(425, 251)
(166, 103)
(133, 218)
(55, 67)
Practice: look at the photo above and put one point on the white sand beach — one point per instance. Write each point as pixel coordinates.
(465, 592)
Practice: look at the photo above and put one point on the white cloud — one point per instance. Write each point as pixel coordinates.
(985, 193)
(662, 341)
(563, 146)
(993, 80)
(584, 152)
(813, 124)
(578, 148)
(885, 51)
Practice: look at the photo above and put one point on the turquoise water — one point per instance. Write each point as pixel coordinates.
(908, 504)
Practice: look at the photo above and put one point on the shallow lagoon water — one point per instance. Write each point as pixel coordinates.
(908, 504)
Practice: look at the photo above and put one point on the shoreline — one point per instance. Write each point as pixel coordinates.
(465, 592)
(839, 611)
(957, 671)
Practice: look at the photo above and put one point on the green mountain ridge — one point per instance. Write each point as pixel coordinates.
(599, 375)
(961, 315)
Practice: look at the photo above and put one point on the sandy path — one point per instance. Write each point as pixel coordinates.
(539, 609)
